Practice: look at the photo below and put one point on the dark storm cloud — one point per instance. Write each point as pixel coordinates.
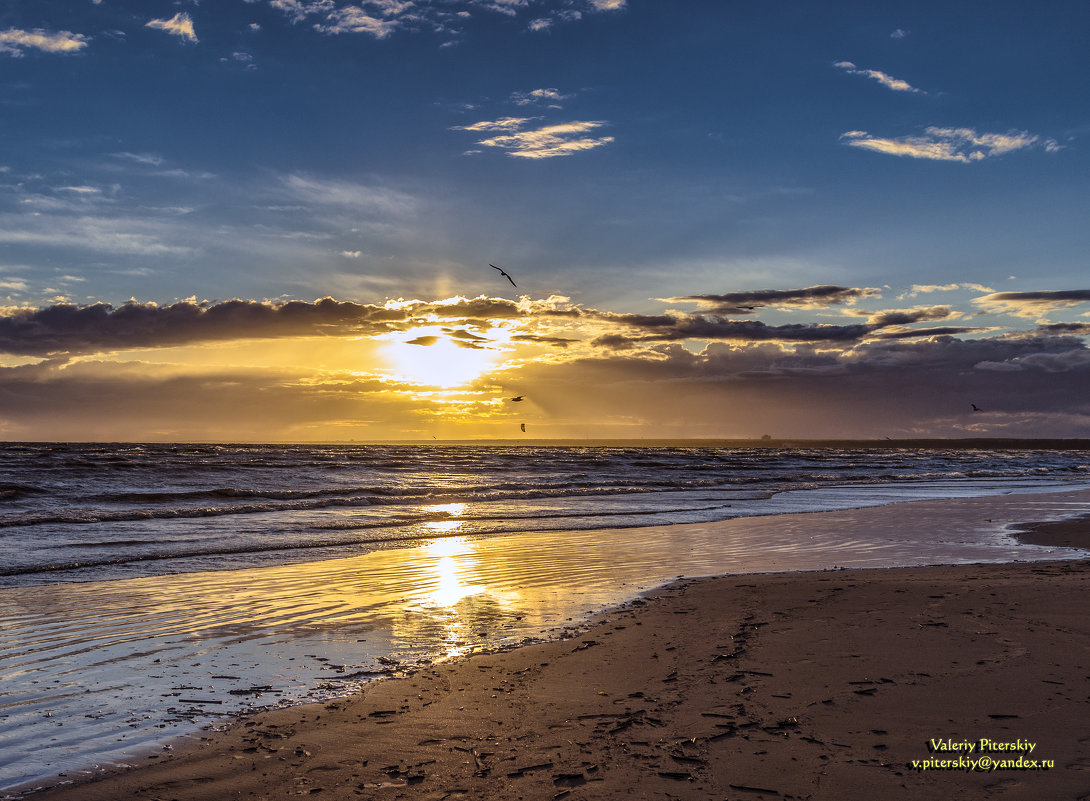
(1031, 386)
(1029, 304)
(907, 316)
(680, 328)
(1043, 296)
(1065, 328)
(746, 302)
(949, 330)
(66, 328)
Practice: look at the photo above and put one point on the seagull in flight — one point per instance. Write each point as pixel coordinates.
(976, 408)
(516, 399)
(505, 275)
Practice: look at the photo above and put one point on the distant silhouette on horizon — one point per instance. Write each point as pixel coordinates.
(505, 275)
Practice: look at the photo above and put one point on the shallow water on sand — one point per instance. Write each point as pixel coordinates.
(92, 672)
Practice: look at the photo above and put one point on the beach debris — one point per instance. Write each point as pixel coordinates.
(745, 788)
(569, 779)
(677, 775)
(519, 772)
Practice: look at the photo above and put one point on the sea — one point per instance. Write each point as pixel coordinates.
(152, 590)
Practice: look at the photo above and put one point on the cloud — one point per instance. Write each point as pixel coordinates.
(353, 19)
(810, 297)
(502, 124)
(872, 378)
(356, 197)
(899, 33)
(381, 18)
(1064, 328)
(1033, 304)
(69, 329)
(923, 289)
(241, 57)
(896, 84)
(907, 316)
(964, 145)
(14, 42)
(66, 329)
(551, 96)
(549, 141)
(180, 25)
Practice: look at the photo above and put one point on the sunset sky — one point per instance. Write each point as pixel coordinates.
(274, 219)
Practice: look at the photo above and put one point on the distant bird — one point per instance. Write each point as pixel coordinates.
(523, 425)
(515, 400)
(976, 408)
(505, 275)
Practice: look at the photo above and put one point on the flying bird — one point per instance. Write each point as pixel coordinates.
(505, 275)
(976, 408)
(516, 399)
(523, 427)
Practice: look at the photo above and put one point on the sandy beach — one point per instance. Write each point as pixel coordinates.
(965, 681)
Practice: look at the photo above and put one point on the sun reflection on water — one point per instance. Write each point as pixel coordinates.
(452, 509)
(452, 555)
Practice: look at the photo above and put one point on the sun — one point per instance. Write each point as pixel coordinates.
(429, 356)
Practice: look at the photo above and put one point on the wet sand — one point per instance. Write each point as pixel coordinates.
(823, 685)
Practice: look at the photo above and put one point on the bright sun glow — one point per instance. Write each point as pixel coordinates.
(436, 360)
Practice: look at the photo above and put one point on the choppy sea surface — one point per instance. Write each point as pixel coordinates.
(149, 590)
(86, 512)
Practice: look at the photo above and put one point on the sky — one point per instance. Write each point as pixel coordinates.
(277, 220)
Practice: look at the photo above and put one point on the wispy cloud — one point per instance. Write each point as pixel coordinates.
(355, 197)
(180, 25)
(14, 42)
(888, 81)
(549, 141)
(963, 145)
(380, 18)
(353, 19)
(503, 124)
(549, 96)
(924, 289)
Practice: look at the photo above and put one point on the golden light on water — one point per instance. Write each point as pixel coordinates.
(448, 569)
(452, 509)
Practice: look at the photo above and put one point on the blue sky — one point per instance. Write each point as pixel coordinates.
(640, 168)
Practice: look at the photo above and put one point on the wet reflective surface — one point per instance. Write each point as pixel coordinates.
(91, 672)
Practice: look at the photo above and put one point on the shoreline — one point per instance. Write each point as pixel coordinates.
(825, 684)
